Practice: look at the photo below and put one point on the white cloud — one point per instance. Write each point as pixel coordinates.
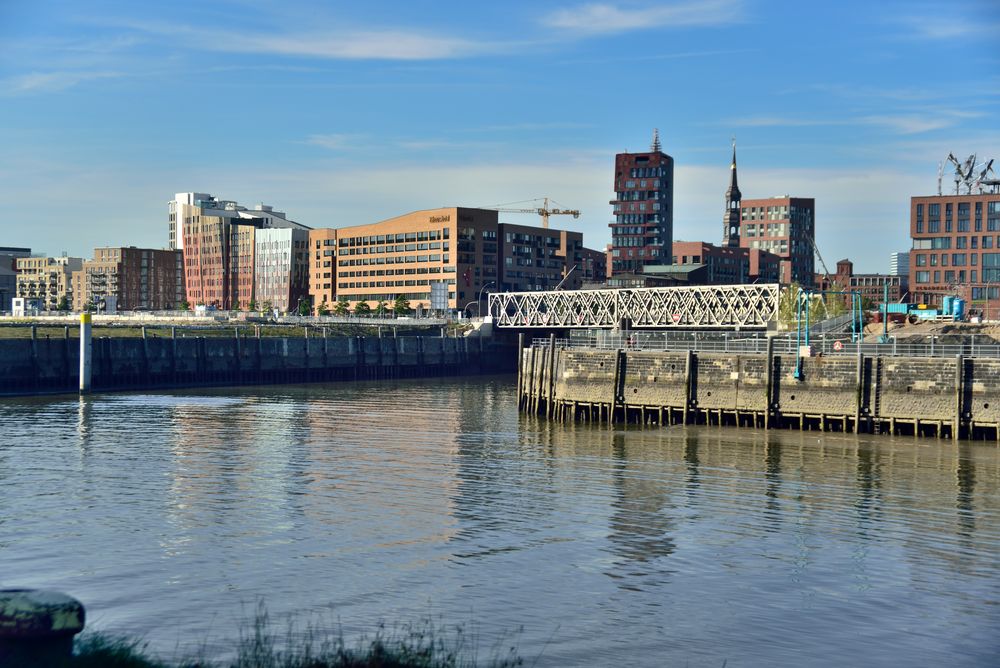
(367, 45)
(43, 82)
(608, 18)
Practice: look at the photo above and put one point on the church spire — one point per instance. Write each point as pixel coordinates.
(734, 190)
(731, 218)
(655, 146)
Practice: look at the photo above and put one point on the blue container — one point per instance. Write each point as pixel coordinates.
(958, 308)
(893, 307)
(947, 305)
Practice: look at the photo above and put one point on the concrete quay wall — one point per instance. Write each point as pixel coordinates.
(32, 366)
(947, 396)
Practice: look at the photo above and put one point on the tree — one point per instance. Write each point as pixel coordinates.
(63, 304)
(788, 306)
(305, 306)
(342, 306)
(267, 307)
(381, 308)
(184, 305)
(323, 309)
(252, 306)
(401, 306)
(362, 308)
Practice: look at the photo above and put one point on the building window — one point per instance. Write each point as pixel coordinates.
(923, 276)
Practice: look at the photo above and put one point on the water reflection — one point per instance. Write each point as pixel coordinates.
(644, 546)
(641, 521)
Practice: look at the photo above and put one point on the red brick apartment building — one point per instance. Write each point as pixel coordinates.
(785, 226)
(643, 228)
(956, 249)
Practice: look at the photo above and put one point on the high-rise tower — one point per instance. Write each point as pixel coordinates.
(731, 218)
(642, 231)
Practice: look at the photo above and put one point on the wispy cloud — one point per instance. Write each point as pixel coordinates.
(46, 82)
(903, 123)
(598, 18)
(335, 142)
(329, 43)
(949, 27)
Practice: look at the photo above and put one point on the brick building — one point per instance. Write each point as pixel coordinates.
(784, 226)
(643, 228)
(47, 279)
(873, 288)
(725, 265)
(956, 249)
(138, 278)
(468, 250)
(323, 267)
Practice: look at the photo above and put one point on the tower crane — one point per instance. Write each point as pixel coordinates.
(544, 211)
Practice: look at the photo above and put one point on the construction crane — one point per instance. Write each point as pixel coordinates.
(544, 211)
(826, 271)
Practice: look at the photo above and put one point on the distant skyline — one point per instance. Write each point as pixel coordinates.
(345, 113)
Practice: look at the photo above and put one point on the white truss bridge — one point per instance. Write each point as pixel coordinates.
(706, 306)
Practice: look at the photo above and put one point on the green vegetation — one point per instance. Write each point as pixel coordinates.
(305, 306)
(422, 646)
(401, 306)
(381, 308)
(342, 307)
(323, 309)
(362, 308)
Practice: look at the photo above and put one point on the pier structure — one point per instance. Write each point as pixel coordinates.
(947, 394)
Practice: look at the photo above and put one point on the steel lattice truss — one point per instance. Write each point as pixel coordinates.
(719, 306)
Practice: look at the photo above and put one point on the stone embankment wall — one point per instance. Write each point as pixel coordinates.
(52, 365)
(955, 397)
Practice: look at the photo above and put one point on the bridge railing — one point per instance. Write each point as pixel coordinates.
(751, 306)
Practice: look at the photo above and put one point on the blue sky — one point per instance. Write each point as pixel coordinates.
(346, 113)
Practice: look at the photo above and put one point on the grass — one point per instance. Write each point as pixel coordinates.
(410, 646)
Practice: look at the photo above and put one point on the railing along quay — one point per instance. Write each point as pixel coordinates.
(781, 345)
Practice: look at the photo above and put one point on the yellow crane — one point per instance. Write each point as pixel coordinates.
(544, 211)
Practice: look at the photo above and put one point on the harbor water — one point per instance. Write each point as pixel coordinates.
(174, 515)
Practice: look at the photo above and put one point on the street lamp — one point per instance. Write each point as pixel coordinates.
(479, 301)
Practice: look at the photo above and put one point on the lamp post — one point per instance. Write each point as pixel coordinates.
(479, 301)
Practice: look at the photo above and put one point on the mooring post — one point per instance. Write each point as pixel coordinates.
(173, 332)
(66, 332)
(859, 379)
(37, 627)
(552, 368)
(688, 369)
(769, 383)
(520, 366)
(85, 353)
(959, 378)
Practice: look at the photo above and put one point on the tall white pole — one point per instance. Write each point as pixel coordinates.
(85, 353)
